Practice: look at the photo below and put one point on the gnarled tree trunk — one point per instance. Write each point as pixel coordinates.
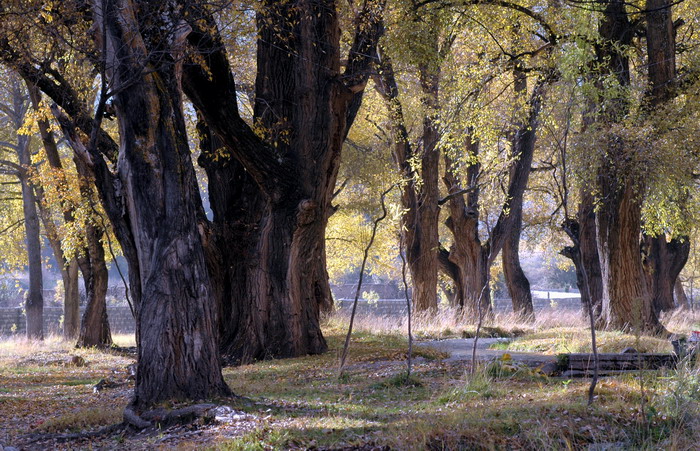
(663, 263)
(516, 281)
(274, 277)
(584, 254)
(419, 195)
(175, 309)
(469, 257)
(626, 300)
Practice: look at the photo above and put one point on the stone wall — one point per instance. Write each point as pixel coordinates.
(13, 321)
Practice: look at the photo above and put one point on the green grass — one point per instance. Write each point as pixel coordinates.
(502, 405)
(301, 403)
(573, 340)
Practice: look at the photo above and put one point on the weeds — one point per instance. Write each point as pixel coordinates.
(402, 379)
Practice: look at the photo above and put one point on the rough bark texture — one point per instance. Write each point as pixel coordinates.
(175, 313)
(94, 328)
(516, 281)
(661, 51)
(584, 254)
(271, 225)
(419, 196)
(627, 302)
(663, 263)
(469, 257)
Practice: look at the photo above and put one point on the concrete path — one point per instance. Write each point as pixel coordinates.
(461, 349)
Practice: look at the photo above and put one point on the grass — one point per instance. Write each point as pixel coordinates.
(301, 403)
(572, 340)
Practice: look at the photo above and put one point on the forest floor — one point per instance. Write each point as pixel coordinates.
(48, 399)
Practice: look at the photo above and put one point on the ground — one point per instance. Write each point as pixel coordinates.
(47, 393)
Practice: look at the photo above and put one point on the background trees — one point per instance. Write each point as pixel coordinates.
(522, 110)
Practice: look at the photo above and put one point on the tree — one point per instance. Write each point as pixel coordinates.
(663, 260)
(272, 280)
(626, 299)
(418, 164)
(53, 187)
(15, 110)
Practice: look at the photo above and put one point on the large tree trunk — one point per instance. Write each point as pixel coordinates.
(272, 301)
(664, 260)
(584, 254)
(34, 298)
(175, 313)
(94, 328)
(627, 302)
(419, 196)
(469, 256)
(661, 51)
(663, 263)
(516, 281)
(421, 240)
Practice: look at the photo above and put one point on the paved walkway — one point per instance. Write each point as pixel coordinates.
(461, 349)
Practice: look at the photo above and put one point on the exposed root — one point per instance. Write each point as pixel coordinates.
(163, 417)
(133, 419)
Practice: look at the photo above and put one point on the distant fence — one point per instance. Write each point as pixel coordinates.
(541, 301)
(13, 320)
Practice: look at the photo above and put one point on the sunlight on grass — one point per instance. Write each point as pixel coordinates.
(573, 340)
(302, 403)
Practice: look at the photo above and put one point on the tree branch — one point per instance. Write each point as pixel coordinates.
(451, 196)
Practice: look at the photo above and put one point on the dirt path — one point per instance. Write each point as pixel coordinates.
(461, 349)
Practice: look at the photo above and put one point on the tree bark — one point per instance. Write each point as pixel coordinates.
(584, 254)
(94, 327)
(663, 262)
(175, 312)
(34, 298)
(661, 51)
(419, 196)
(516, 281)
(69, 268)
(627, 302)
(681, 298)
(467, 254)
(303, 109)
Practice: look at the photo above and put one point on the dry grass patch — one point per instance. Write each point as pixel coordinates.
(573, 340)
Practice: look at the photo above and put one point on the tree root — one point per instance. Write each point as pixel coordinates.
(163, 417)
